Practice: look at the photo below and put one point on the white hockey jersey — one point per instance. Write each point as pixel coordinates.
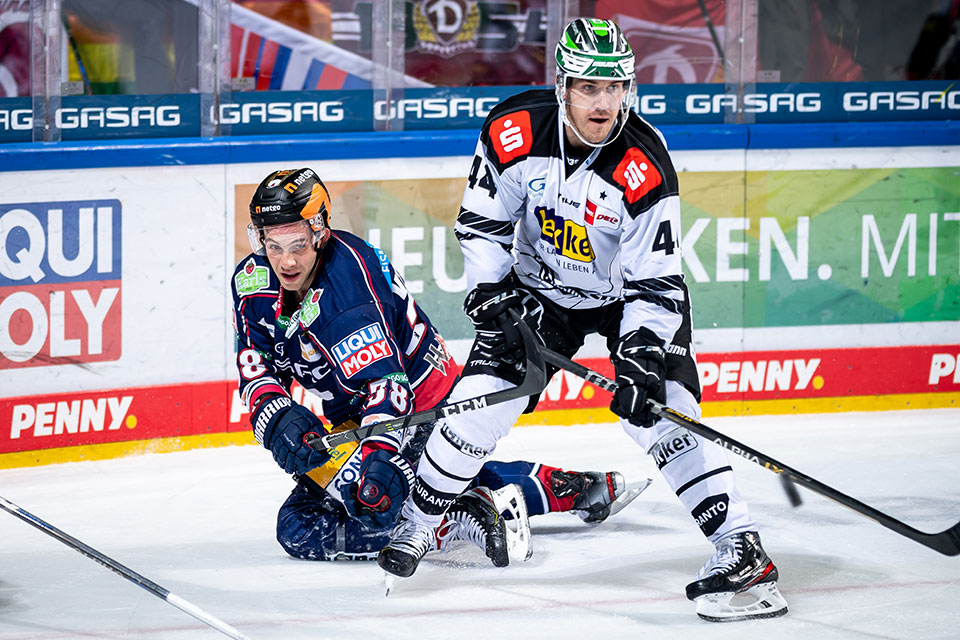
(608, 232)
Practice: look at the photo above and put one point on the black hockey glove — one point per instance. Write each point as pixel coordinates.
(385, 481)
(487, 307)
(638, 360)
(281, 425)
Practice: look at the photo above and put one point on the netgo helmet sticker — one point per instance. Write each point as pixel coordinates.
(60, 270)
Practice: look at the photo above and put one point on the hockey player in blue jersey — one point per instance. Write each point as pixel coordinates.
(326, 309)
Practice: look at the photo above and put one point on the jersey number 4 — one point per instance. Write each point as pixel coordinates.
(486, 182)
(664, 240)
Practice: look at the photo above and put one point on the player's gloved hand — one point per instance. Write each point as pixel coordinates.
(386, 478)
(488, 307)
(639, 362)
(281, 425)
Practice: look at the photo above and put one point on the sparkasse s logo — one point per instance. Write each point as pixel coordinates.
(60, 276)
(637, 174)
(512, 136)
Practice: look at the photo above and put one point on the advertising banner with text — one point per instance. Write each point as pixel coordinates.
(820, 282)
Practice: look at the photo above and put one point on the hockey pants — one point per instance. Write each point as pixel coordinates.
(696, 469)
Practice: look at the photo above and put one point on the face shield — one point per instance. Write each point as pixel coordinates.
(597, 91)
(292, 237)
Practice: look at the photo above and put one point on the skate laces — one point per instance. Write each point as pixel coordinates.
(728, 555)
(469, 528)
(413, 538)
(447, 533)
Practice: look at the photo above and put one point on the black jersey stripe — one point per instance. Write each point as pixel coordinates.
(480, 224)
(674, 306)
(665, 283)
(703, 477)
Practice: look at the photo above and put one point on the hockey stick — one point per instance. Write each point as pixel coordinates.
(534, 381)
(116, 567)
(946, 542)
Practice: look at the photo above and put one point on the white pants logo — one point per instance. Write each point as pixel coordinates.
(634, 174)
(511, 137)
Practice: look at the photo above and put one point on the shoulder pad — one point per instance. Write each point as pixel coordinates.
(513, 127)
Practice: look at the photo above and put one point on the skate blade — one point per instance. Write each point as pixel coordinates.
(508, 500)
(629, 494)
(768, 603)
(389, 582)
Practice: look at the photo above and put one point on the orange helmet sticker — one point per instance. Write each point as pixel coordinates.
(319, 201)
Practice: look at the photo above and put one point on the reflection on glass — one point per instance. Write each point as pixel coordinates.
(674, 41)
(14, 48)
(131, 46)
(841, 41)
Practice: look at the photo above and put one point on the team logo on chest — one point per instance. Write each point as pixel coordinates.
(568, 237)
(361, 348)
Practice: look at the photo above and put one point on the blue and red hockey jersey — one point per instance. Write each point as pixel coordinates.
(356, 325)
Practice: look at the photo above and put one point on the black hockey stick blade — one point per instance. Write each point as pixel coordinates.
(534, 381)
(946, 542)
(116, 567)
(791, 490)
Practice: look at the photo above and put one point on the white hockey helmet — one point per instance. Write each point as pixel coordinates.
(598, 50)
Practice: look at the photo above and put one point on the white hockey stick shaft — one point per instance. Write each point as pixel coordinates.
(116, 567)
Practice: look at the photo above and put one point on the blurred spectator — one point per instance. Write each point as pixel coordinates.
(836, 40)
(936, 54)
(14, 48)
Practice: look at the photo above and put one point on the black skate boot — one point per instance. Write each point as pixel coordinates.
(595, 491)
(409, 542)
(477, 514)
(740, 567)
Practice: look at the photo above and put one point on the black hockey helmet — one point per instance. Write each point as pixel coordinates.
(288, 196)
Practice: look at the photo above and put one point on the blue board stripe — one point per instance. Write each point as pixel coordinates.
(402, 144)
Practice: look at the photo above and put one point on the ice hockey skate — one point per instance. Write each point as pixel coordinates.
(496, 521)
(598, 495)
(739, 569)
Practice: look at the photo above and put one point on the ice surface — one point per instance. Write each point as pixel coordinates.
(201, 524)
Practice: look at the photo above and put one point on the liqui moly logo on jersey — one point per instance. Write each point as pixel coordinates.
(59, 283)
(361, 348)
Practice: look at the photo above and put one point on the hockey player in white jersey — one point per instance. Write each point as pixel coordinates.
(571, 219)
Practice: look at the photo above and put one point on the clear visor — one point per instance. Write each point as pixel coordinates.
(294, 238)
(597, 93)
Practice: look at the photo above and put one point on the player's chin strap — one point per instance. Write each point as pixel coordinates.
(946, 542)
(534, 381)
